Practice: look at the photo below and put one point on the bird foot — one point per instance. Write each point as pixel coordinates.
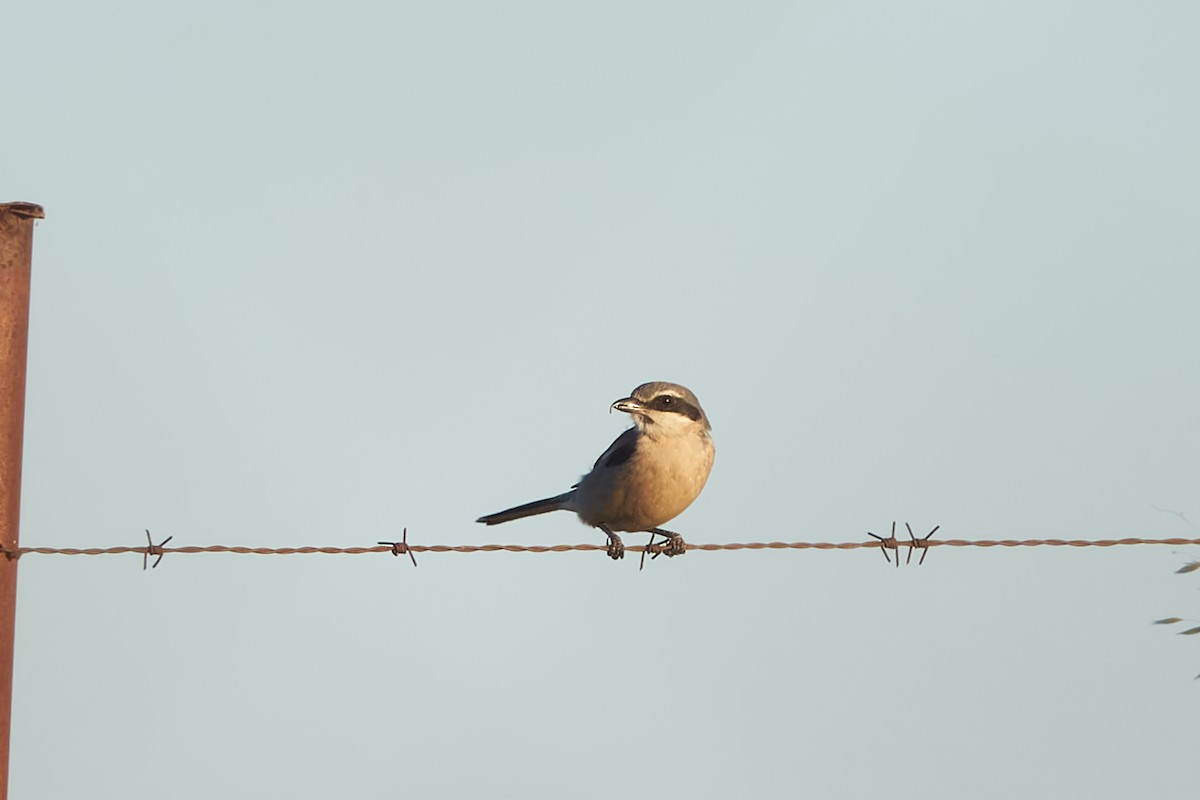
(616, 548)
(673, 546)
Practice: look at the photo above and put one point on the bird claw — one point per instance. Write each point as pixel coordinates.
(616, 548)
(674, 546)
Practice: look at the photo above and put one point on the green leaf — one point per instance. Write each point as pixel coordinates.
(1191, 567)
(1190, 632)
(1168, 620)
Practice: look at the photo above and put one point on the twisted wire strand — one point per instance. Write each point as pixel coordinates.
(563, 548)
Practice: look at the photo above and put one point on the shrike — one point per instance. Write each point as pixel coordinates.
(645, 478)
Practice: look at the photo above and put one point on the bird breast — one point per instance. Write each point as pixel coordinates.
(654, 486)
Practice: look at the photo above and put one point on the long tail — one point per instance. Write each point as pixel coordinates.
(529, 509)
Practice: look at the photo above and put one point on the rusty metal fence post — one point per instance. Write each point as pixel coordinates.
(16, 251)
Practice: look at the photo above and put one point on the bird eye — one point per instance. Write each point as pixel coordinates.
(666, 400)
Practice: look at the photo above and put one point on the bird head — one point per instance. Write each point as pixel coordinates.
(660, 408)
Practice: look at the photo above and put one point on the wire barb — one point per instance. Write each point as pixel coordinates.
(672, 545)
(153, 549)
(922, 544)
(401, 547)
(649, 546)
(888, 544)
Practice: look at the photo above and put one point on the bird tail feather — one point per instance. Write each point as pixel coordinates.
(528, 510)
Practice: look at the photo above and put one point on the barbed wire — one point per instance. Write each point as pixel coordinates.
(403, 547)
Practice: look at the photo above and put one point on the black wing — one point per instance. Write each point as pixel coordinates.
(620, 451)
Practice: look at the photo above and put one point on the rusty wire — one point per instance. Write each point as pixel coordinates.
(403, 547)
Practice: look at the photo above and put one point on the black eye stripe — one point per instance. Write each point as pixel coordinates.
(676, 405)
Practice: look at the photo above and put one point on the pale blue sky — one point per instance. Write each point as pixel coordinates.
(312, 273)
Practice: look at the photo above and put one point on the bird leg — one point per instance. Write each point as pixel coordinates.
(616, 548)
(674, 546)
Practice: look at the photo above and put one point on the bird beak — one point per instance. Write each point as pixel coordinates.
(627, 404)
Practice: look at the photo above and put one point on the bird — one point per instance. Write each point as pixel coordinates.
(646, 477)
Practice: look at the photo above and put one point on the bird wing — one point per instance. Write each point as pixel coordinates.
(620, 451)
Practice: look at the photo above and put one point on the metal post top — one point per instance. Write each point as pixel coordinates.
(19, 209)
